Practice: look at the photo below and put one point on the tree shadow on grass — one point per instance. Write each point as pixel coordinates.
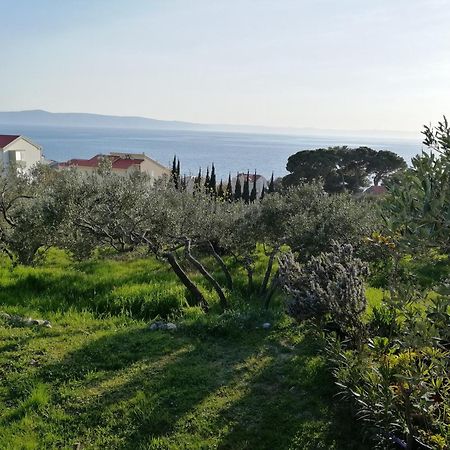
(134, 385)
(280, 399)
(297, 393)
(136, 389)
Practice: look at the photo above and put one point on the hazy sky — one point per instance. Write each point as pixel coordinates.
(349, 64)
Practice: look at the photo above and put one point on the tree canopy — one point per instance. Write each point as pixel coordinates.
(342, 168)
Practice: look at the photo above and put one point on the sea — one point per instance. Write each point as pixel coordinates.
(230, 152)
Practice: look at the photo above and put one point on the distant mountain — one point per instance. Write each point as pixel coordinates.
(41, 118)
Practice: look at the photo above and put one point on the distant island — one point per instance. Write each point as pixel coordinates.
(42, 118)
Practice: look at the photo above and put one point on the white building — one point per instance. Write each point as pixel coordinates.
(121, 163)
(19, 151)
(260, 182)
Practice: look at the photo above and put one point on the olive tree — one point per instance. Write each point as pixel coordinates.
(127, 212)
(29, 219)
(309, 220)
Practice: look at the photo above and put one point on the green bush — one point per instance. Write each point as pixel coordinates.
(328, 289)
(399, 380)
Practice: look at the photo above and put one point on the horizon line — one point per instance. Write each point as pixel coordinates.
(286, 128)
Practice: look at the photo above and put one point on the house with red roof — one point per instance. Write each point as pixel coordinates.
(376, 191)
(19, 151)
(121, 163)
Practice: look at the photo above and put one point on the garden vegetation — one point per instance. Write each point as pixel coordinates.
(282, 304)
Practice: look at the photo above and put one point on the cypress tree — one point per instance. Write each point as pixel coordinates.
(174, 165)
(178, 169)
(246, 190)
(207, 180)
(175, 175)
(229, 190)
(263, 192)
(198, 181)
(237, 189)
(183, 184)
(271, 185)
(253, 193)
(212, 181)
(220, 192)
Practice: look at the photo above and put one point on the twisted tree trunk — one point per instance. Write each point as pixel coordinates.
(184, 278)
(199, 266)
(265, 282)
(273, 287)
(223, 266)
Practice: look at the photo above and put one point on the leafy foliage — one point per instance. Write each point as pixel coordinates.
(329, 288)
(400, 384)
(342, 168)
(418, 207)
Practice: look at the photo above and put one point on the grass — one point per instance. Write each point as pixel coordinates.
(99, 377)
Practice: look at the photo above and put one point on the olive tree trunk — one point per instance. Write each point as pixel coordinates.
(268, 272)
(199, 266)
(223, 266)
(184, 278)
(273, 287)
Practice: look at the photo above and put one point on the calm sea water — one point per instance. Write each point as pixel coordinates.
(230, 152)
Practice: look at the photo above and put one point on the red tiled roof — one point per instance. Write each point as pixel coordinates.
(6, 139)
(117, 162)
(125, 163)
(376, 190)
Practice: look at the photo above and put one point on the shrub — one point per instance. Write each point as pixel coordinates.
(383, 321)
(399, 381)
(329, 288)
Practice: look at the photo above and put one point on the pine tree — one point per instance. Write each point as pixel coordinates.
(229, 190)
(212, 181)
(220, 192)
(246, 190)
(237, 189)
(207, 180)
(253, 192)
(271, 185)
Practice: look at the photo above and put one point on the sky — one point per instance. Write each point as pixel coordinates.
(347, 64)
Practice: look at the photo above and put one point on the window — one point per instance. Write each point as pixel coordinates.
(15, 155)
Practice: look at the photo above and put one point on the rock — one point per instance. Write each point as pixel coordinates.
(41, 323)
(162, 326)
(266, 325)
(18, 321)
(157, 326)
(38, 322)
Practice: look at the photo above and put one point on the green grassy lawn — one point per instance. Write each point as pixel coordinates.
(99, 377)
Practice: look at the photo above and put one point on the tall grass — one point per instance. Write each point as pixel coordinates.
(142, 288)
